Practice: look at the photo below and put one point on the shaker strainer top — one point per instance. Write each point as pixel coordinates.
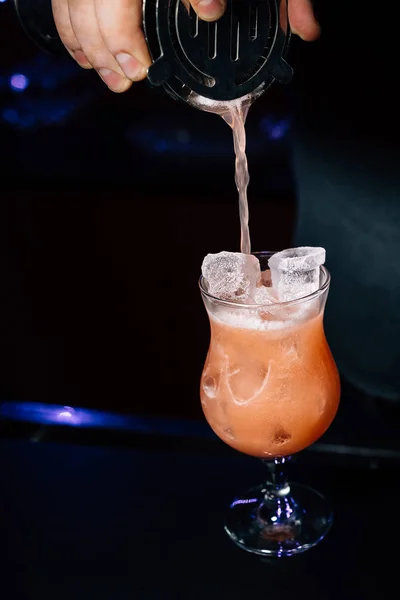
(241, 52)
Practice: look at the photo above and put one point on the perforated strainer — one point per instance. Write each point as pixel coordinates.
(243, 52)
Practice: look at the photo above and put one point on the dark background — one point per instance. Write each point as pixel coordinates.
(108, 205)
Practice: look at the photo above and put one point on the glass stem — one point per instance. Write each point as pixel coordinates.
(278, 509)
(277, 485)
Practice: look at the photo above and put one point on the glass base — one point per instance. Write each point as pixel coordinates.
(279, 525)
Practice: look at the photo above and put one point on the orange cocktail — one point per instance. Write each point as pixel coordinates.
(271, 392)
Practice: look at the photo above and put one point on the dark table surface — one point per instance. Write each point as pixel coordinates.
(91, 520)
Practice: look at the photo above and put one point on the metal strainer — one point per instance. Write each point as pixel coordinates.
(241, 53)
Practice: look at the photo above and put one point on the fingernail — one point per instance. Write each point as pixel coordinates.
(132, 68)
(81, 59)
(113, 80)
(209, 9)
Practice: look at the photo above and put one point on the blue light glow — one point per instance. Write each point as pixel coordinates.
(31, 105)
(244, 501)
(53, 414)
(19, 82)
(67, 415)
(160, 145)
(9, 115)
(275, 129)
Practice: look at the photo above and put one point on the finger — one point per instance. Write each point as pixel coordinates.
(120, 24)
(186, 4)
(209, 10)
(66, 33)
(302, 20)
(86, 28)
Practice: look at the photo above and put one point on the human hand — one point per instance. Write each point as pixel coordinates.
(108, 37)
(302, 20)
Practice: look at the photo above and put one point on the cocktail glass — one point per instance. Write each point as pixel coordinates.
(270, 388)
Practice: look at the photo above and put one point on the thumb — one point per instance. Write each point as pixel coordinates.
(209, 10)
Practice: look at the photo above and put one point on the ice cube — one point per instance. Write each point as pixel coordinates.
(265, 295)
(295, 272)
(231, 275)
